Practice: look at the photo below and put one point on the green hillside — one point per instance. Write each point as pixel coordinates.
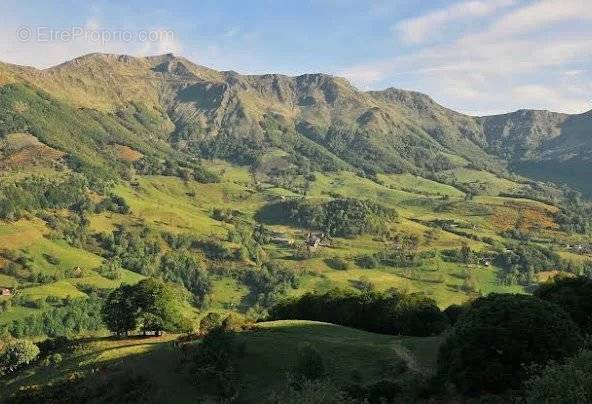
(350, 356)
(236, 193)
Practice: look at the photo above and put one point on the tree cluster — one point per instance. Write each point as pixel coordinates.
(391, 312)
(498, 335)
(151, 305)
(338, 217)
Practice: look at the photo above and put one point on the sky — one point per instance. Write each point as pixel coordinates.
(474, 56)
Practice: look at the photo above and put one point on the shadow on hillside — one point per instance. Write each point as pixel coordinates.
(91, 363)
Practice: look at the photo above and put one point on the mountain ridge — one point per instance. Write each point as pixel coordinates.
(391, 130)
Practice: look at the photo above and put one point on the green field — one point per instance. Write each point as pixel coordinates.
(270, 353)
(169, 204)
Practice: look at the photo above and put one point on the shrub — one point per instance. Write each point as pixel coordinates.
(454, 311)
(574, 295)
(367, 261)
(17, 354)
(233, 322)
(216, 361)
(209, 322)
(310, 391)
(568, 382)
(309, 363)
(498, 335)
(337, 263)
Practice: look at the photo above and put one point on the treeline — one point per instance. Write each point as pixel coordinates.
(74, 316)
(390, 312)
(185, 170)
(339, 217)
(38, 193)
(34, 193)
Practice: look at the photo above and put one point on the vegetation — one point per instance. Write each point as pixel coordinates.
(16, 354)
(71, 317)
(565, 382)
(389, 313)
(574, 295)
(151, 304)
(374, 211)
(339, 217)
(498, 335)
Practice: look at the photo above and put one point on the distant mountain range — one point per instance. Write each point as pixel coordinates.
(167, 104)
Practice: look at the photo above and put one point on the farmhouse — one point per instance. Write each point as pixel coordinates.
(5, 292)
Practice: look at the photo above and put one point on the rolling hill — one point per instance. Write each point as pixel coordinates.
(110, 162)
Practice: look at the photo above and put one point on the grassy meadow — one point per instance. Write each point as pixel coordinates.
(172, 205)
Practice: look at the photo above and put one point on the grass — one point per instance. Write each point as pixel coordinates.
(491, 183)
(172, 205)
(418, 185)
(270, 353)
(61, 289)
(69, 257)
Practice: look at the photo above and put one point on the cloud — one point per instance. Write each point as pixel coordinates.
(540, 14)
(44, 47)
(495, 68)
(158, 41)
(420, 29)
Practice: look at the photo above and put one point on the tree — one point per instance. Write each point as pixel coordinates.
(183, 268)
(16, 354)
(574, 295)
(120, 310)
(158, 306)
(209, 322)
(390, 312)
(500, 334)
(563, 383)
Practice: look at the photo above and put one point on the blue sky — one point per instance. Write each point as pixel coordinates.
(475, 56)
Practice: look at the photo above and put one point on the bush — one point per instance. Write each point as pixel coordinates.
(233, 322)
(310, 391)
(337, 263)
(215, 363)
(309, 363)
(17, 354)
(569, 382)
(367, 261)
(454, 311)
(209, 322)
(574, 295)
(498, 335)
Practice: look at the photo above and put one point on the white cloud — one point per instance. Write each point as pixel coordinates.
(419, 29)
(159, 41)
(541, 14)
(494, 68)
(91, 37)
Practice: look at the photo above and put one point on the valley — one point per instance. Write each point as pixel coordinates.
(237, 194)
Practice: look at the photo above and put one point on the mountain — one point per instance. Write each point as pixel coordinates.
(544, 145)
(321, 121)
